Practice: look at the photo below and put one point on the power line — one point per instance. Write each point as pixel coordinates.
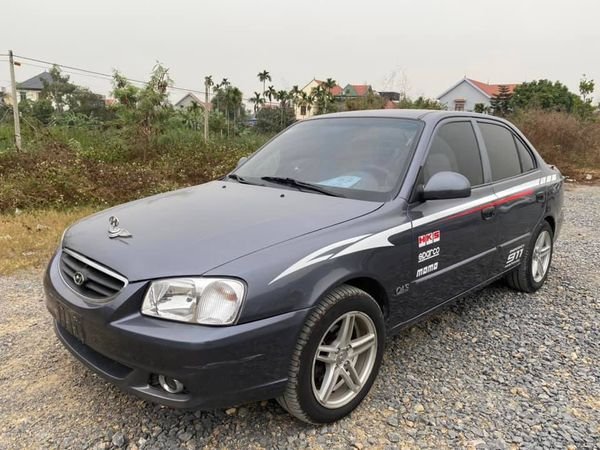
(98, 77)
(95, 74)
(100, 74)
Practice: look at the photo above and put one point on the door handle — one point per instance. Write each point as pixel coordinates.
(488, 213)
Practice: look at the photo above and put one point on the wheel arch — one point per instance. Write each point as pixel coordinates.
(552, 222)
(372, 287)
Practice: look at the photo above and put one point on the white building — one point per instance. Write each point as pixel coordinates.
(464, 95)
(29, 89)
(190, 99)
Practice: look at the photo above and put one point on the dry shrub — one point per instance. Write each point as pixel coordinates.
(58, 176)
(572, 144)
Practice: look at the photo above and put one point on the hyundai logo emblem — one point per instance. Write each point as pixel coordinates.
(114, 230)
(78, 278)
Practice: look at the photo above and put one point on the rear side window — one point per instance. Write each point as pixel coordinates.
(454, 148)
(502, 152)
(527, 163)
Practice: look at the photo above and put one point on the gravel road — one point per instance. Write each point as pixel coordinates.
(497, 370)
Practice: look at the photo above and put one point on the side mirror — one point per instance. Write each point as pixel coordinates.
(242, 160)
(446, 185)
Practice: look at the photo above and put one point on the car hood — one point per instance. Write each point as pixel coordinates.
(190, 231)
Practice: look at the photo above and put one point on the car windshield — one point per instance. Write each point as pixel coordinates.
(361, 158)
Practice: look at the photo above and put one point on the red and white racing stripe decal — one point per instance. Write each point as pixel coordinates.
(501, 201)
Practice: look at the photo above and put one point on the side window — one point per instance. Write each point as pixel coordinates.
(527, 163)
(501, 149)
(454, 148)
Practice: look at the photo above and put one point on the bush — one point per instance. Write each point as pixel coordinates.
(572, 144)
(273, 120)
(66, 167)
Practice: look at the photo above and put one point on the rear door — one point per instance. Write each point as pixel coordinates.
(453, 240)
(520, 189)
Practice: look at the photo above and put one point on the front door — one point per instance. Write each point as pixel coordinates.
(454, 241)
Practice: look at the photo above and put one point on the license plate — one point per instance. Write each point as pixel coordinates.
(70, 321)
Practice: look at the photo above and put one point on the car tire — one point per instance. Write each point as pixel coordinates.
(523, 278)
(325, 352)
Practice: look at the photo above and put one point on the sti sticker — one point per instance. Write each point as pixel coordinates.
(429, 238)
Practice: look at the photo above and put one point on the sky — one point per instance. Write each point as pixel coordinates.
(421, 47)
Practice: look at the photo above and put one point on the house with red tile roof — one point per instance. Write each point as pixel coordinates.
(357, 90)
(464, 95)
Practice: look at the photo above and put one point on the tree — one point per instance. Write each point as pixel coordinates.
(584, 108)
(257, 100)
(270, 93)
(500, 103)
(368, 101)
(228, 102)
(58, 89)
(208, 84)
(124, 92)
(420, 103)
(295, 94)
(543, 94)
(329, 84)
(322, 99)
(42, 110)
(85, 102)
(269, 120)
(586, 89)
(146, 108)
(481, 108)
(305, 102)
(263, 77)
(192, 117)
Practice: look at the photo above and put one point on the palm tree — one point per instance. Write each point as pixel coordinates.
(263, 77)
(257, 100)
(310, 101)
(329, 84)
(270, 93)
(217, 90)
(282, 96)
(294, 95)
(208, 82)
(303, 103)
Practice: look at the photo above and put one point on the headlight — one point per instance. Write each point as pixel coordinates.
(208, 301)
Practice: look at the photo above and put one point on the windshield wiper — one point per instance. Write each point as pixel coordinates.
(233, 176)
(300, 185)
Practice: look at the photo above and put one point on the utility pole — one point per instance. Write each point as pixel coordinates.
(15, 100)
(206, 87)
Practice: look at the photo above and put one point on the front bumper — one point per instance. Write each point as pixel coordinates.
(219, 366)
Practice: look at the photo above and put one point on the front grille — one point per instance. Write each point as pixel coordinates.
(89, 278)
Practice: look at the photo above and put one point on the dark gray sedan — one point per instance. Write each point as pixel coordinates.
(283, 279)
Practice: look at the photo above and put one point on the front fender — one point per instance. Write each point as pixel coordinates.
(296, 274)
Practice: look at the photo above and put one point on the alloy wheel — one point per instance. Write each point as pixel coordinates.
(542, 252)
(344, 359)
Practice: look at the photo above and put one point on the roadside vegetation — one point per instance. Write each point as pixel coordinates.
(27, 239)
(81, 154)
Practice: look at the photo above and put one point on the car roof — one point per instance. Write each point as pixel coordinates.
(420, 114)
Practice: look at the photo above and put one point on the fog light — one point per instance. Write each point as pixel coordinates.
(170, 384)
